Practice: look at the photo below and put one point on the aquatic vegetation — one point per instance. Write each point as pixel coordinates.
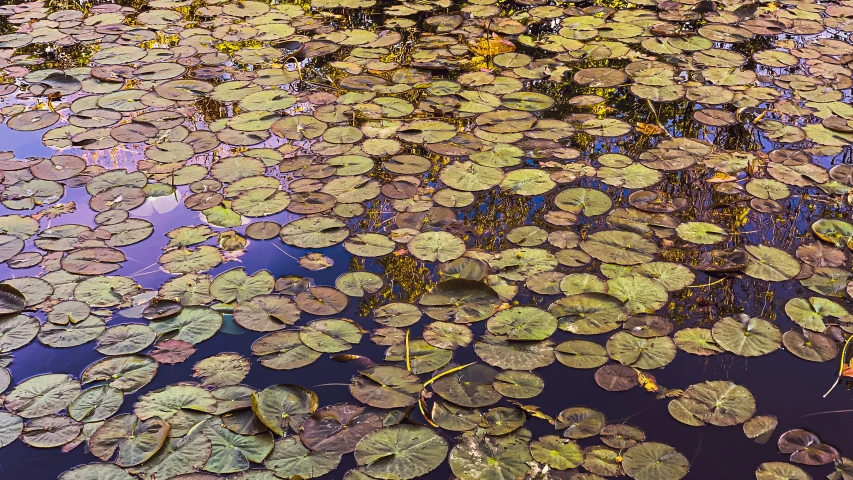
(502, 189)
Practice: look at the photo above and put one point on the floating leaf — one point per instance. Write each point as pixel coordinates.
(654, 461)
(290, 458)
(750, 337)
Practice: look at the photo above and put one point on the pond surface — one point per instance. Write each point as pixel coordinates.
(475, 240)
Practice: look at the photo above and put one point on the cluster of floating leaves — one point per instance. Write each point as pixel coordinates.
(247, 110)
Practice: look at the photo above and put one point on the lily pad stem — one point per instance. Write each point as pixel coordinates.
(841, 367)
(657, 119)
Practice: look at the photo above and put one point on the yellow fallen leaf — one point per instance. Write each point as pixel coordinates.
(647, 381)
(492, 46)
(649, 128)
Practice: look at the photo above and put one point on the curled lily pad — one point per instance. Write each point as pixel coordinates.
(760, 428)
(282, 406)
(806, 448)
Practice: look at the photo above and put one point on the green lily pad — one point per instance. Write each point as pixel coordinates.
(621, 248)
(135, 440)
(749, 337)
(760, 428)
(290, 458)
(488, 458)
(166, 402)
(523, 323)
(810, 314)
(436, 246)
(581, 354)
(501, 352)
(338, 428)
(386, 386)
(811, 346)
(580, 422)
(557, 453)
(460, 300)
(422, 356)
(643, 353)
(99, 471)
(471, 387)
(178, 456)
(718, 402)
(702, 233)
(330, 336)
(283, 351)
(589, 313)
(231, 452)
(96, 404)
(583, 200)
(654, 461)
(401, 452)
(518, 384)
(780, 471)
(770, 264)
(42, 395)
(698, 341)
